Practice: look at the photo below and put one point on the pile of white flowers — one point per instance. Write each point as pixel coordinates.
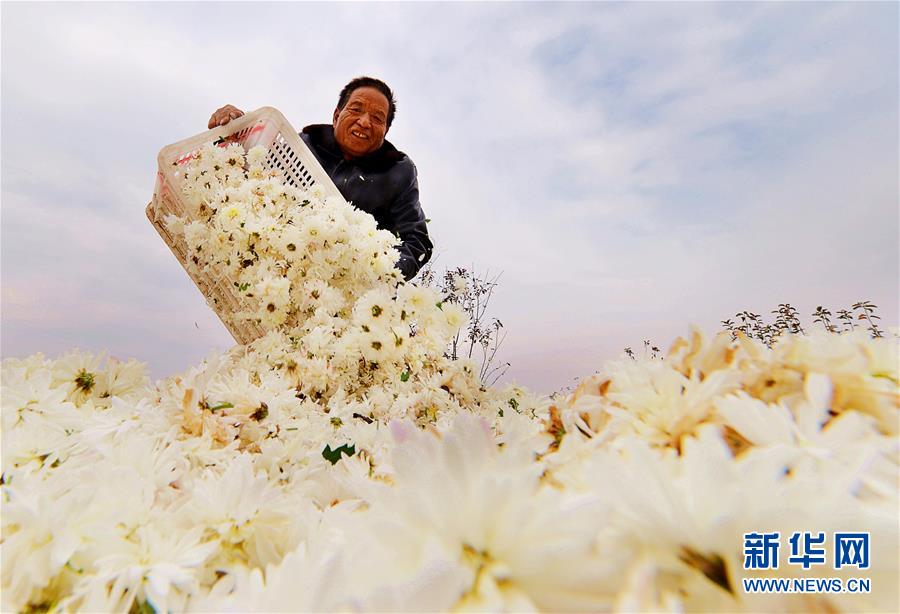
(341, 462)
(290, 252)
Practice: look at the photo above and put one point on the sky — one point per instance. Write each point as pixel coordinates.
(630, 169)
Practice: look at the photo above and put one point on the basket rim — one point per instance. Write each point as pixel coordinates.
(168, 153)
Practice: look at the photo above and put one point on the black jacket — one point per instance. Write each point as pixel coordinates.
(383, 183)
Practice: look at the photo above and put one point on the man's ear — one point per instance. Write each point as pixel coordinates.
(337, 112)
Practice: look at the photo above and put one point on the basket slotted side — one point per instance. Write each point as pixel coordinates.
(288, 154)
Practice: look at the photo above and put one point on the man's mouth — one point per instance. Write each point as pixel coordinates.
(359, 135)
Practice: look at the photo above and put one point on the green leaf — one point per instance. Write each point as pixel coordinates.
(221, 406)
(333, 456)
(404, 377)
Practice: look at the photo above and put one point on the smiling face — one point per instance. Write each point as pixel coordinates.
(361, 125)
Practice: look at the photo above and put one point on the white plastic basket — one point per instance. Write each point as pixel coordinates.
(287, 153)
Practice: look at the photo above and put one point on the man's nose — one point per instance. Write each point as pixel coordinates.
(364, 120)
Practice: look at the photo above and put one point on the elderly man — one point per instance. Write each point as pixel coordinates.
(369, 171)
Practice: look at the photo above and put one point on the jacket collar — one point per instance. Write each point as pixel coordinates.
(322, 136)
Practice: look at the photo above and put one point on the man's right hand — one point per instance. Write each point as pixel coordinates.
(224, 115)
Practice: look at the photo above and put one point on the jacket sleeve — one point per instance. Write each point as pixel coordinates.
(405, 218)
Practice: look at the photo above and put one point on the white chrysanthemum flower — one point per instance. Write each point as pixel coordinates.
(257, 155)
(416, 299)
(273, 292)
(847, 447)
(121, 379)
(488, 511)
(455, 317)
(659, 403)
(374, 309)
(245, 512)
(78, 373)
(195, 235)
(155, 566)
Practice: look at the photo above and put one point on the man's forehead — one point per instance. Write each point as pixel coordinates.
(369, 95)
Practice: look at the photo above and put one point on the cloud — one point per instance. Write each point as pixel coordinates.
(630, 168)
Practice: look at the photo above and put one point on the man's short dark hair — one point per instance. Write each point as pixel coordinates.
(378, 84)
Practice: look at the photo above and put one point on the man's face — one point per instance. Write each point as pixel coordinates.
(361, 125)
